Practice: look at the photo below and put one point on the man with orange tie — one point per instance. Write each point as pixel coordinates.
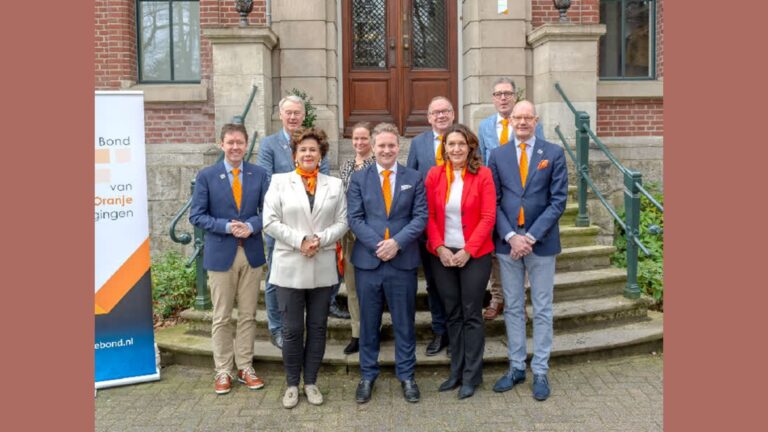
(227, 204)
(531, 181)
(387, 212)
(495, 131)
(422, 156)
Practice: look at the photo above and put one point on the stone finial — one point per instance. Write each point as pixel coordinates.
(562, 7)
(244, 7)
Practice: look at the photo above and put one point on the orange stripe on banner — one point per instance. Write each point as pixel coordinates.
(123, 280)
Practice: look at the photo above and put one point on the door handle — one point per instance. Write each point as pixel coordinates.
(406, 41)
(392, 52)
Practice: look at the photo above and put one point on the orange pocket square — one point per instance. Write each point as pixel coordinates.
(543, 164)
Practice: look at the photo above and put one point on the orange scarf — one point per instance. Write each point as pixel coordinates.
(449, 177)
(310, 177)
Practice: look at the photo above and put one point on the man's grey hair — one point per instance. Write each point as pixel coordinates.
(437, 98)
(385, 127)
(291, 98)
(504, 80)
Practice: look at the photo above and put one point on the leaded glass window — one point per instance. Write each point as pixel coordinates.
(430, 34)
(369, 25)
(168, 40)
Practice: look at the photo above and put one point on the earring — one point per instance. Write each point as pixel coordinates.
(296, 163)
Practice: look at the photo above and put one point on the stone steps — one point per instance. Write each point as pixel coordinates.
(178, 345)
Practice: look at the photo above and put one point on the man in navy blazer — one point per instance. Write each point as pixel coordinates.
(527, 213)
(386, 257)
(275, 157)
(227, 204)
(495, 131)
(422, 157)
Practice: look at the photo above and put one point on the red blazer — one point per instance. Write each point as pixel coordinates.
(478, 210)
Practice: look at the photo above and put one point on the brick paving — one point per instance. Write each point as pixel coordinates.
(624, 394)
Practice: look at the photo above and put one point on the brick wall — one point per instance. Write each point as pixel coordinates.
(630, 117)
(580, 12)
(660, 38)
(116, 63)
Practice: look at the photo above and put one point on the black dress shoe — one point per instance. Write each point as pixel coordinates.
(466, 391)
(337, 312)
(449, 384)
(410, 390)
(364, 390)
(353, 346)
(439, 342)
(277, 340)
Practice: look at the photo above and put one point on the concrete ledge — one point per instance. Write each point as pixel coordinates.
(565, 32)
(652, 89)
(236, 35)
(173, 92)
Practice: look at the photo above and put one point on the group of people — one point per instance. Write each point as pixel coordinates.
(468, 209)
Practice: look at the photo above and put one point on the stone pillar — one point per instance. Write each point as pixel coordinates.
(565, 53)
(307, 60)
(242, 57)
(493, 45)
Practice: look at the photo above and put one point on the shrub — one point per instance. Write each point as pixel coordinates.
(650, 270)
(173, 284)
(309, 109)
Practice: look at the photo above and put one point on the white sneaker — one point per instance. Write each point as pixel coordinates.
(313, 394)
(291, 397)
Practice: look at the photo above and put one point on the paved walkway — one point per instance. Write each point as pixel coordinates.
(618, 394)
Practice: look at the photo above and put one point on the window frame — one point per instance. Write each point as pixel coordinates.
(652, 35)
(140, 53)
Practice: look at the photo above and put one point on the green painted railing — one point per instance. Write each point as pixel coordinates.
(633, 188)
(203, 297)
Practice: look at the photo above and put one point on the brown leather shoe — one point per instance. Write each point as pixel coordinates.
(248, 377)
(223, 383)
(493, 310)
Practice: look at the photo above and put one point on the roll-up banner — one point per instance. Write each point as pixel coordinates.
(125, 342)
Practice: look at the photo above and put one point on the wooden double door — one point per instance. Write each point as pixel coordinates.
(397, 56)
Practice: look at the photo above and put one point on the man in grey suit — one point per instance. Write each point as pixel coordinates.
(422, 156)
(275, 157)
(494, 131)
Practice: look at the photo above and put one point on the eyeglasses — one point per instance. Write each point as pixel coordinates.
(505, 94)
(441, 112)
(520, 118)
(293, 113)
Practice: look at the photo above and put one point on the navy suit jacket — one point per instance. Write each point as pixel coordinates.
(368, 218)
(421, 155)
(276, 158)
(489, 139)
(544, 196)
(213, 206)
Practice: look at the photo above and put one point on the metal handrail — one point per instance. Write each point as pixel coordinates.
(633, 189)
(203, 299)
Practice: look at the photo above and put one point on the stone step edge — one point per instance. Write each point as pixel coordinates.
(566, 344)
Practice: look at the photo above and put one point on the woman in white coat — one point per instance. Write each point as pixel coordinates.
(306, 213)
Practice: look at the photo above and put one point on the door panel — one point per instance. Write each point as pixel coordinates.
(397, 55)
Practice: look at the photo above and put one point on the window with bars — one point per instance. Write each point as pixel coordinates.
(627, 49)
(168, 41)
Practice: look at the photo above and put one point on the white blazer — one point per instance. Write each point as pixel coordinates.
(287, 219)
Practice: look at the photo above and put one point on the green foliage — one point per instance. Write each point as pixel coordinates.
(309, 109)
(173, 284)
(520, 94)
(650, 270)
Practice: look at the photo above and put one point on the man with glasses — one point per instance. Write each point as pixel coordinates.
(495, 131)
(531, 181)
(275, 157)
(422, 156)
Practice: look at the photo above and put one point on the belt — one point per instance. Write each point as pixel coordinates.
(520, 226)
(240, 243)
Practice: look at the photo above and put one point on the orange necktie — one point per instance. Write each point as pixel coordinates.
(504, 138)
(386, 189)
(439, 153)
(523, 177)
(237, 188)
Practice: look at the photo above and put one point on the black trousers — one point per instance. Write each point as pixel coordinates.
(462, 290)
(299, 353)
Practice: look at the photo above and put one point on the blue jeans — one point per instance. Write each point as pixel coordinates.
(274, 320)
(541, 273)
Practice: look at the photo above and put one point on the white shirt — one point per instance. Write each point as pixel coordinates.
(435, 142)
(392, 176)
(530, 143)
(454, 233)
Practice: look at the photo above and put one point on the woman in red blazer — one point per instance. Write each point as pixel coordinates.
(462, 212)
